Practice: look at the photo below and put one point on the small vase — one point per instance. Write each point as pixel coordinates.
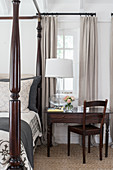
(68, 108)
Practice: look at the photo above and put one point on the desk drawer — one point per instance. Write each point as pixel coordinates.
(65, 118)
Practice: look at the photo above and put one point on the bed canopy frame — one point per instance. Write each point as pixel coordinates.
(15, 79)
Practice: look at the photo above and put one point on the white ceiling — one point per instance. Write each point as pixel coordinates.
(62, 1)
(78, 5)
(27, 7)
(99, 1)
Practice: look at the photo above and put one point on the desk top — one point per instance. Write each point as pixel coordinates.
(79, 110)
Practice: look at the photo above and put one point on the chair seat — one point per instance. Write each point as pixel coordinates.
(89, 129)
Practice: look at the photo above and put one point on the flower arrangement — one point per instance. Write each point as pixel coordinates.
(69, 100)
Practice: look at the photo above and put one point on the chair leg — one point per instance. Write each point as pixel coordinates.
(101, 146)
(83, 146)
(68, 142)
(89, 143)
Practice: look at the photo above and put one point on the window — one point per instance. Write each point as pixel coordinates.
(68, 48)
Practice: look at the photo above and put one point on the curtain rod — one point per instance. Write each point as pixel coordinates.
(68, 14)
(34, 17)
(21, 17)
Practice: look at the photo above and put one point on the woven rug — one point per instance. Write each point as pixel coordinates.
(60, 161)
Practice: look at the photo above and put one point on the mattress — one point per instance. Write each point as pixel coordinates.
(33, 120)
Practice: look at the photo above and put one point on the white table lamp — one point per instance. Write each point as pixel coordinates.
(58, 68)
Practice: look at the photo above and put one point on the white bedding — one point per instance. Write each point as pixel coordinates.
(33, 120)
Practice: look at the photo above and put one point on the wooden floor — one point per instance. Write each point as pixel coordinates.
(60, 161)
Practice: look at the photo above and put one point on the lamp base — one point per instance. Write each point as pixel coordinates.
(57, 100)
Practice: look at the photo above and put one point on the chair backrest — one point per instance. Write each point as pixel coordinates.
(94, 104)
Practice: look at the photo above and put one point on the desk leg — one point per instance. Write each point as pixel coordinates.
(51, 135)
(49, 138)
(107, 138)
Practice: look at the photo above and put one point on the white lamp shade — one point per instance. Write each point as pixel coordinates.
(59, 68)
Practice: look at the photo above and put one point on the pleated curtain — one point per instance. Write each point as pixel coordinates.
(48, 50)
(111, 81)
(88, 61)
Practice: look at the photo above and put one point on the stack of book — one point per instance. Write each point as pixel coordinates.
(60, 109)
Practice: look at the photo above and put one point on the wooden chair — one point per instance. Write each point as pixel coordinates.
(88, 129)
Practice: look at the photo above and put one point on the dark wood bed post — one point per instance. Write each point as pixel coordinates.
(39, 59)
(39, 66)
(14, 104)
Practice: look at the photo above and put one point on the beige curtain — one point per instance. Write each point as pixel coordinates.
(111, 81)
(48, 50)
(88, 66)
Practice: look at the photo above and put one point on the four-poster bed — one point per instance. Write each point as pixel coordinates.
(15, 81)
(16, 150)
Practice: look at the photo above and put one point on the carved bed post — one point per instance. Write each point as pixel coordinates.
(39, 66)
(14, 104)
(39, 63)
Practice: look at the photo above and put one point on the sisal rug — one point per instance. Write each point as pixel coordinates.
(59, 160)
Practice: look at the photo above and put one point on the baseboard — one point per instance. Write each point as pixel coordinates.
(63, 139)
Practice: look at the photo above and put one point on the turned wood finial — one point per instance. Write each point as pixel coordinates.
(39, 28)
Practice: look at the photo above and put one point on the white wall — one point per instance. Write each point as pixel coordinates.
(27, 7)
(5, 41)
(104, 60)
(28, 35)
(28, 45)
(63, 6)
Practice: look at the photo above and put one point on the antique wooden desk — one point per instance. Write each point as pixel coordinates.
(94, 115)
